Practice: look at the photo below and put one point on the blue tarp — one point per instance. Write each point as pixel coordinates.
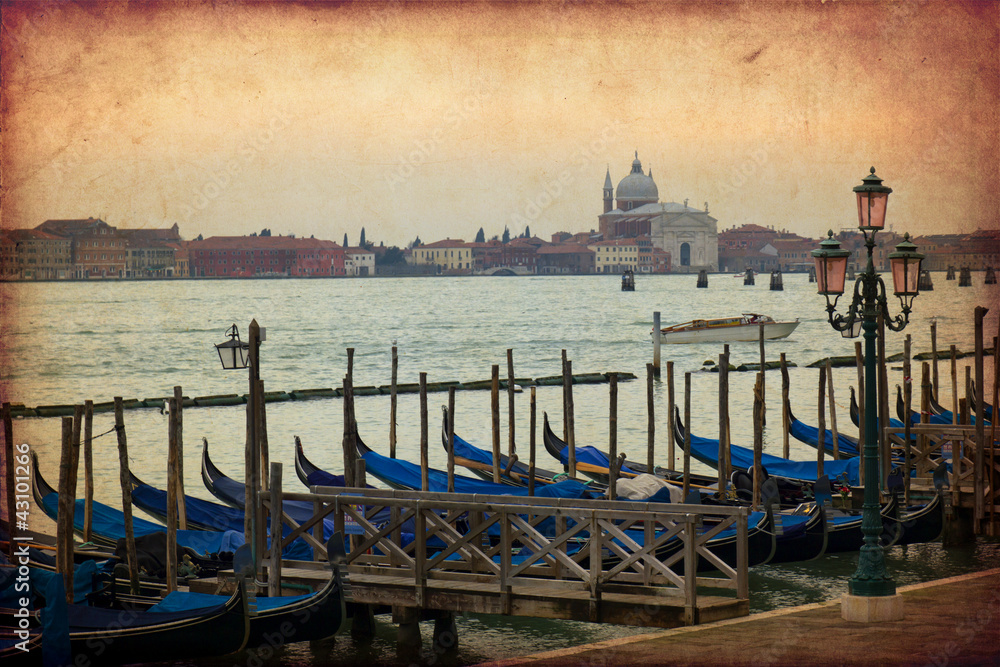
(184, 601)
(810, 436)
(404, 474)
(706, 450)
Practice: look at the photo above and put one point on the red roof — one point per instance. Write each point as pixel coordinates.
(446, 243)
(260, 242)
(564, 249)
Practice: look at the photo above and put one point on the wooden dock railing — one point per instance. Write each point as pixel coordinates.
(602, 561)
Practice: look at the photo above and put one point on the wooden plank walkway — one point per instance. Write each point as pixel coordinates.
(951, 622)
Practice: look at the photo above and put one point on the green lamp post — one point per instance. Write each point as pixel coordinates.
(871, 580)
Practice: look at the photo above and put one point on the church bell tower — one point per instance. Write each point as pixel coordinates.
(609, 191)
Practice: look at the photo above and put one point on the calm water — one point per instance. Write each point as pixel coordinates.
(71, 342)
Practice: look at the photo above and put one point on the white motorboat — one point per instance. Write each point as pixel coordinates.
(727, 330)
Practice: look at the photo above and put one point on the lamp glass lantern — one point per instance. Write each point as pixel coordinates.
(854, 330)
(234, 353)
(831, 266)
(873, 197)
(905, 265)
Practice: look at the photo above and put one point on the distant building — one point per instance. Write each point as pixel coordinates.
(359, 262)
(264, 256)
(449, 255)
(98, 248)
(31, 254)
(687, 234)
(629, 254)
(565, 258)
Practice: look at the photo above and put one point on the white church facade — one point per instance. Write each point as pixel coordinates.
(688, 234)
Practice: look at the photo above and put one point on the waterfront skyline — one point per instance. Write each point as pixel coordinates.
(436, 120)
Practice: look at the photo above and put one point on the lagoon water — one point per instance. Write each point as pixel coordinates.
(68, 342)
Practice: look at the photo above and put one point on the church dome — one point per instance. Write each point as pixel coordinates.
(636, 189)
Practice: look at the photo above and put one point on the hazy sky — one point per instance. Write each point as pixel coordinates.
(438, 119)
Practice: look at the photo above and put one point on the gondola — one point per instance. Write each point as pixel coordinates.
(284, 619)
(809, 435)
(915, 415)
(404, 475)
(803, 535)
(233, 493)
(312, 475)
(595, 464)
(856, 413)
(480, 462)
(113, 636)
(919, 523)
(793, 474)
(108, 524)
(987, 408)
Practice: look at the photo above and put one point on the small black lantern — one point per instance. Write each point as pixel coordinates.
(234, 353)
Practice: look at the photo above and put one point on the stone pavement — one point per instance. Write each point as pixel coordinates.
(948, 622)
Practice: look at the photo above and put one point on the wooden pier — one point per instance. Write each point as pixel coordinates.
(522, 556)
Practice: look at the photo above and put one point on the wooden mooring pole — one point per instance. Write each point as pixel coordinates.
(833, 411)
(392, 404)
(451, 440)
(531, 445)
(64, 523)
(821, 444)
(570, 425)
(758, 436)
(723, 472)
(785, 386)
(274, 573)
(171, 555)
(650, 421)
(934, 357)
(495, 413)
(424, 459)
(908, 402)
(686, 488)
(88, 471)
(126, 484)
(980, 460)
(954, 384)
(510, 402)
(656, 343)
(8, 457)
(178, 413)
(613, 436)
(671, 453)
(350, 434)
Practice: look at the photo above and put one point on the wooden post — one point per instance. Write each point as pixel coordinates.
(75, 459)
(723, 471)
(252, 453)
(954, 385)
(980, 460)
(860, 361)
(934, 356)
(650, 422)
(495, 412)
(671, 454)
(179, 428)
(991, 463)
(510, 402)
(785, 383)
(451, 440)
(565, 400)
(686, 488)
(613, 437)
(729, 433)
(821, 413)
(350, 364)
(758, 436)
(88, 471)
(64, 523)
(126, 484)
(531, 446)
(392, 404)
(349, 442)
(277, 531)
(261, 472)
(424, 460)
(171, 556)
(763, 361)
(907, 403)
(656, 344)
(264, 464)
(833, 411)
(8, 457)
(571, 421)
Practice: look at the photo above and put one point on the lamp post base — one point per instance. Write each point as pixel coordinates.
(874, 609)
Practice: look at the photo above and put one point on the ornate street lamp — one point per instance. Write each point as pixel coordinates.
(870, 583)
